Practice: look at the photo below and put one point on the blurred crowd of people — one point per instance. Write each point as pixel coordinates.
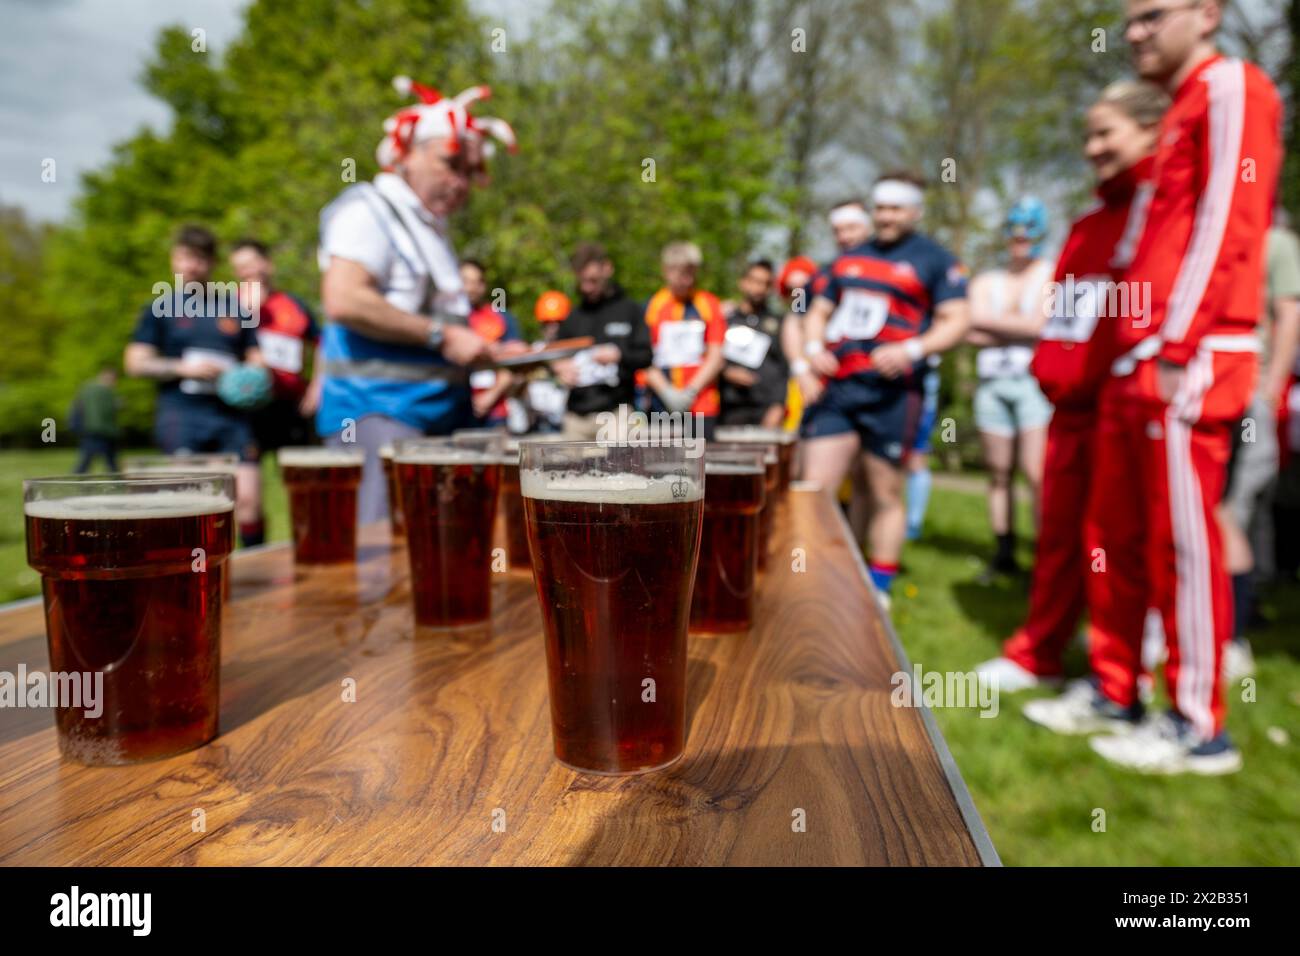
(1122, 423)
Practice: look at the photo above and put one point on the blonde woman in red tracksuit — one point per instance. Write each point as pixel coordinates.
(1071, 363)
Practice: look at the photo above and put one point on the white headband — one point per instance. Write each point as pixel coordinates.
(896, 192)
(849, 215)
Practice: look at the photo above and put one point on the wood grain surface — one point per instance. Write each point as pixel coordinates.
(450, 734)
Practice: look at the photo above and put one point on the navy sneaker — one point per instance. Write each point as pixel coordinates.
(1084, 709)
(1169, 745)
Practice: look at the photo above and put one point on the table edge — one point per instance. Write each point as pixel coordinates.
(979, 833)
(988, 855)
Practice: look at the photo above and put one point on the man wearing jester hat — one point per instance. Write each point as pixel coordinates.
(397, 345)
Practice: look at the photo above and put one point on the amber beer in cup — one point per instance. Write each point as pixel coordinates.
(511, 507)
(771, 484)
(224, 463)
(784, 440)
(322, 485)
(734, 487)
(396, 521)
(614, 532)
(449, 490)
(129, 569)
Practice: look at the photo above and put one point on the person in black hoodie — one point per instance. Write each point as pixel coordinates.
(756, 375)
(601, 378)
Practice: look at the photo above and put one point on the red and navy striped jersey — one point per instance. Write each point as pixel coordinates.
(885, 293)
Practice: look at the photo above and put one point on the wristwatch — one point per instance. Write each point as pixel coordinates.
(437, 332)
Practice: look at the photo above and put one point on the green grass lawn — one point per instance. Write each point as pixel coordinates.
(1038, 792)
(17, 580)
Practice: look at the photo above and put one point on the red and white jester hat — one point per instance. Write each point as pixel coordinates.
(438, 117)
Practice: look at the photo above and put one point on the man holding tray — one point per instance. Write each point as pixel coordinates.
(397, 344)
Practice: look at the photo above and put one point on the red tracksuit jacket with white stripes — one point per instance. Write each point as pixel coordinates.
(1078, 343)
(1215, 179)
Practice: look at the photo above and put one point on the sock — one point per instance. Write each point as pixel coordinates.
(1006, 553)
(1241, 596)
(882, 575)
(918, 499)
(252, 533)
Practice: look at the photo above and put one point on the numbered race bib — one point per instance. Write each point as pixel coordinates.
(547, 398)
(1003, 361)
(680, 343)
(859, 316)
(483, 378)
(746, 346)
(1075, 311)
(198, 386)
(281, 352)
(591, 372)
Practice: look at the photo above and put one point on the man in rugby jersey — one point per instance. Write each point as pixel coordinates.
(878, 311)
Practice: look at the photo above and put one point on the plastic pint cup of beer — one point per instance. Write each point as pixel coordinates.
(771, 487)
(614, 532)
(735, 485)
(449, 492)
(130, 574)
(511, 507)
(322, 485)
(396, 522)
(784, 440)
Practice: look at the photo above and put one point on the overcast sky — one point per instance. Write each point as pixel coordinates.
(69, 84)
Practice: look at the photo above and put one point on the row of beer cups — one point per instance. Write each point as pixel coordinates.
(630, 545)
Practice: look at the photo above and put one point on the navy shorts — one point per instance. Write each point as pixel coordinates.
(205, 427)
(884, 414)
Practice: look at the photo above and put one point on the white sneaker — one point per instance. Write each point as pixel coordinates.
(1168, 745)
(1238, 660)
(1082, 709)
(1010, 677)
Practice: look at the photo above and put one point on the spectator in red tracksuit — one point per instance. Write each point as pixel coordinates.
(1072, 360)
(1187, 373)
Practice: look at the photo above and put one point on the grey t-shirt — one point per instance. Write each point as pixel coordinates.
(1282, 265)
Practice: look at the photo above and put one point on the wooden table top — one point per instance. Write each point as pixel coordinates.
(445, 756)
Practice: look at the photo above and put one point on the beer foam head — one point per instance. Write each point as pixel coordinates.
(387, 451)
(445, 455)
(320, 458)
(768, 449)
(145, 504)
(753, 433)
(615, 488)
(183, 467)
(733, 467)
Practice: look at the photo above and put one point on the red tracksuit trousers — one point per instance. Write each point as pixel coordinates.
(1056, 592)
(1159, 474)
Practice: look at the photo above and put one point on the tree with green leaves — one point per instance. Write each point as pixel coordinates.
(614, 146)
